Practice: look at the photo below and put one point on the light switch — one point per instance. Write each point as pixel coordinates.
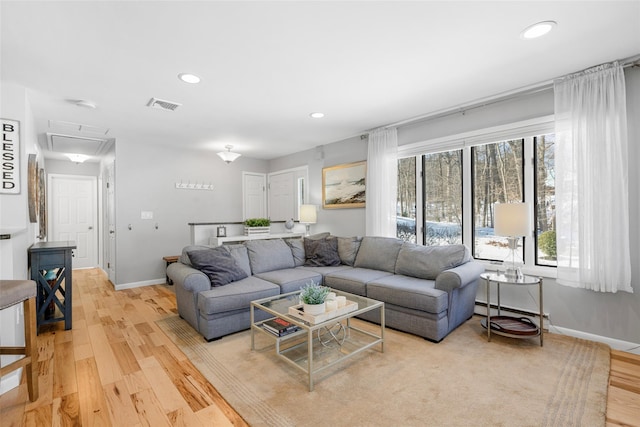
(146, 215)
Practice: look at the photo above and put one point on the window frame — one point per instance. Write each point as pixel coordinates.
(526, 130)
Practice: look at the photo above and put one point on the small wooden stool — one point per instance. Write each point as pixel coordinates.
(13, 292)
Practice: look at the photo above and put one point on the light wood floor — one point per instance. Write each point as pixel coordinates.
(115, 367)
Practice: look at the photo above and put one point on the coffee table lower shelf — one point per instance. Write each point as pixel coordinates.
(512, 327)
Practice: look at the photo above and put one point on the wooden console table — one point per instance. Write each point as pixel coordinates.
(55, 257)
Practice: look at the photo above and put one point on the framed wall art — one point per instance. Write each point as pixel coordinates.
(343, 186)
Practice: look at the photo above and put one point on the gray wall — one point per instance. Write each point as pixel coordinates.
(145, 181)
(614, 316)
(341, 222)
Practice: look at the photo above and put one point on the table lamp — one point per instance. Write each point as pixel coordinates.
(512, 220)
(308, 216)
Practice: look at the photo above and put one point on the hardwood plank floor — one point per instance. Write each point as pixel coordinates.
(115, 367)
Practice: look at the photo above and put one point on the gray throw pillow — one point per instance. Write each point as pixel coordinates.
(321, 253)
(218, 265)
(348, 249)
(297, 250)
(318, 236)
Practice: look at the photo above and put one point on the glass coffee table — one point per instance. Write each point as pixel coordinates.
(315, 347)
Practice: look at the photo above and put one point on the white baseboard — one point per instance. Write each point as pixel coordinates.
(611, 342)
(10, 381)
(140, 284)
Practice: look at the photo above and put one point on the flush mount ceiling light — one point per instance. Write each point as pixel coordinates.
(228, 156)
(189, 78)
(537, 30)
(316, 115)
(77, 158)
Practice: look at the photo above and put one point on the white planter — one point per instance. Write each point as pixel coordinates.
(253, 231)
(314, 309)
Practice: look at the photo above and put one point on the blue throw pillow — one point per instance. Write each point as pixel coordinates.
(218, 265)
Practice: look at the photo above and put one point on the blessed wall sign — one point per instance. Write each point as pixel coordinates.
(10, 157)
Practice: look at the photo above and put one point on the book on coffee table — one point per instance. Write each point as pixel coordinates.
(279, 327)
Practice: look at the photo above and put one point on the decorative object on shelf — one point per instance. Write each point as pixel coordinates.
(10, 152)
(221, 231)
(308, 216)
(228, 156)
(289, 224)
(343, 186)
(313, 297)
(512, 220)
(32, 171)
(257, 226)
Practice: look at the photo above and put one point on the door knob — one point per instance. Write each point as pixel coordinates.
(90, 227)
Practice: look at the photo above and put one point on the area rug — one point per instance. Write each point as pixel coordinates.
(462, 381)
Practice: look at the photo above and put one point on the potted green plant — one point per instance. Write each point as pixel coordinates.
(313, 296)
(254, 226)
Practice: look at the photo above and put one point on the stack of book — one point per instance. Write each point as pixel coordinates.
(279, 327)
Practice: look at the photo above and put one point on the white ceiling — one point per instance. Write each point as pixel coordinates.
(265, 66)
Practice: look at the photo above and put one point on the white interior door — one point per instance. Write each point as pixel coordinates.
(282, 196)
(254, 194)
(73, 204)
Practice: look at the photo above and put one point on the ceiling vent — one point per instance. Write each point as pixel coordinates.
(162, 104)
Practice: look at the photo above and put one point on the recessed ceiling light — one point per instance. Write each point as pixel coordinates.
(316, 115)
(189, 78)
(537, 30)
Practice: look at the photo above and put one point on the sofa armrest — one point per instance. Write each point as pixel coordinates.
(459, 276)
(188, 278)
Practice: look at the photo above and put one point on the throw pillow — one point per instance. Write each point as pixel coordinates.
(318, 236)
(348, 249)
(297, 250)
(218, 265)
(321, 253)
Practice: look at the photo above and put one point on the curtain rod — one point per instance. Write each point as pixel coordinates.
(501, 97)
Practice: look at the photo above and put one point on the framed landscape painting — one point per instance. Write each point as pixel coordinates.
(343, 186)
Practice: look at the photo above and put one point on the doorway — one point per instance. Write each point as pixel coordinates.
(73, 216)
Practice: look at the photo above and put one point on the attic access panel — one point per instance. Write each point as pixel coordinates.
(76, 144)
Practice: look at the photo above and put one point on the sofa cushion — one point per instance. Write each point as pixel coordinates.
(269, 255)
(291, 279)
(235, 296)
(321, 253)
(240, 254)
(353, 280)
(378, 253)
(297, 250)
(426, 262)
(348, 249)
(184, 257)
(410, 292)
(218, 265)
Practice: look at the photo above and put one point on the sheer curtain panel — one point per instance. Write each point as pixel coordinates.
(382, 182)
(592, 207)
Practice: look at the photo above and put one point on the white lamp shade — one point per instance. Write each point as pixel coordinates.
(512, 219)
(308, 214)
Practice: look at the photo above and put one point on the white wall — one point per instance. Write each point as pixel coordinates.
(145, 181)
(14, 214)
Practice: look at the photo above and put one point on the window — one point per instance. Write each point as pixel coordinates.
(406, 206)
(545, 217)
(456, 191)
(497, 178)
(442, 198)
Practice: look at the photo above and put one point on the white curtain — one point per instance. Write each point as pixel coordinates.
(382, 182)
(592, 207)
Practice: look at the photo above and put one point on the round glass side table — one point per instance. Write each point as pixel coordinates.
(512, 326)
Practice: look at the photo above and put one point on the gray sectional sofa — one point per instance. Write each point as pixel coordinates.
(427, 291)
